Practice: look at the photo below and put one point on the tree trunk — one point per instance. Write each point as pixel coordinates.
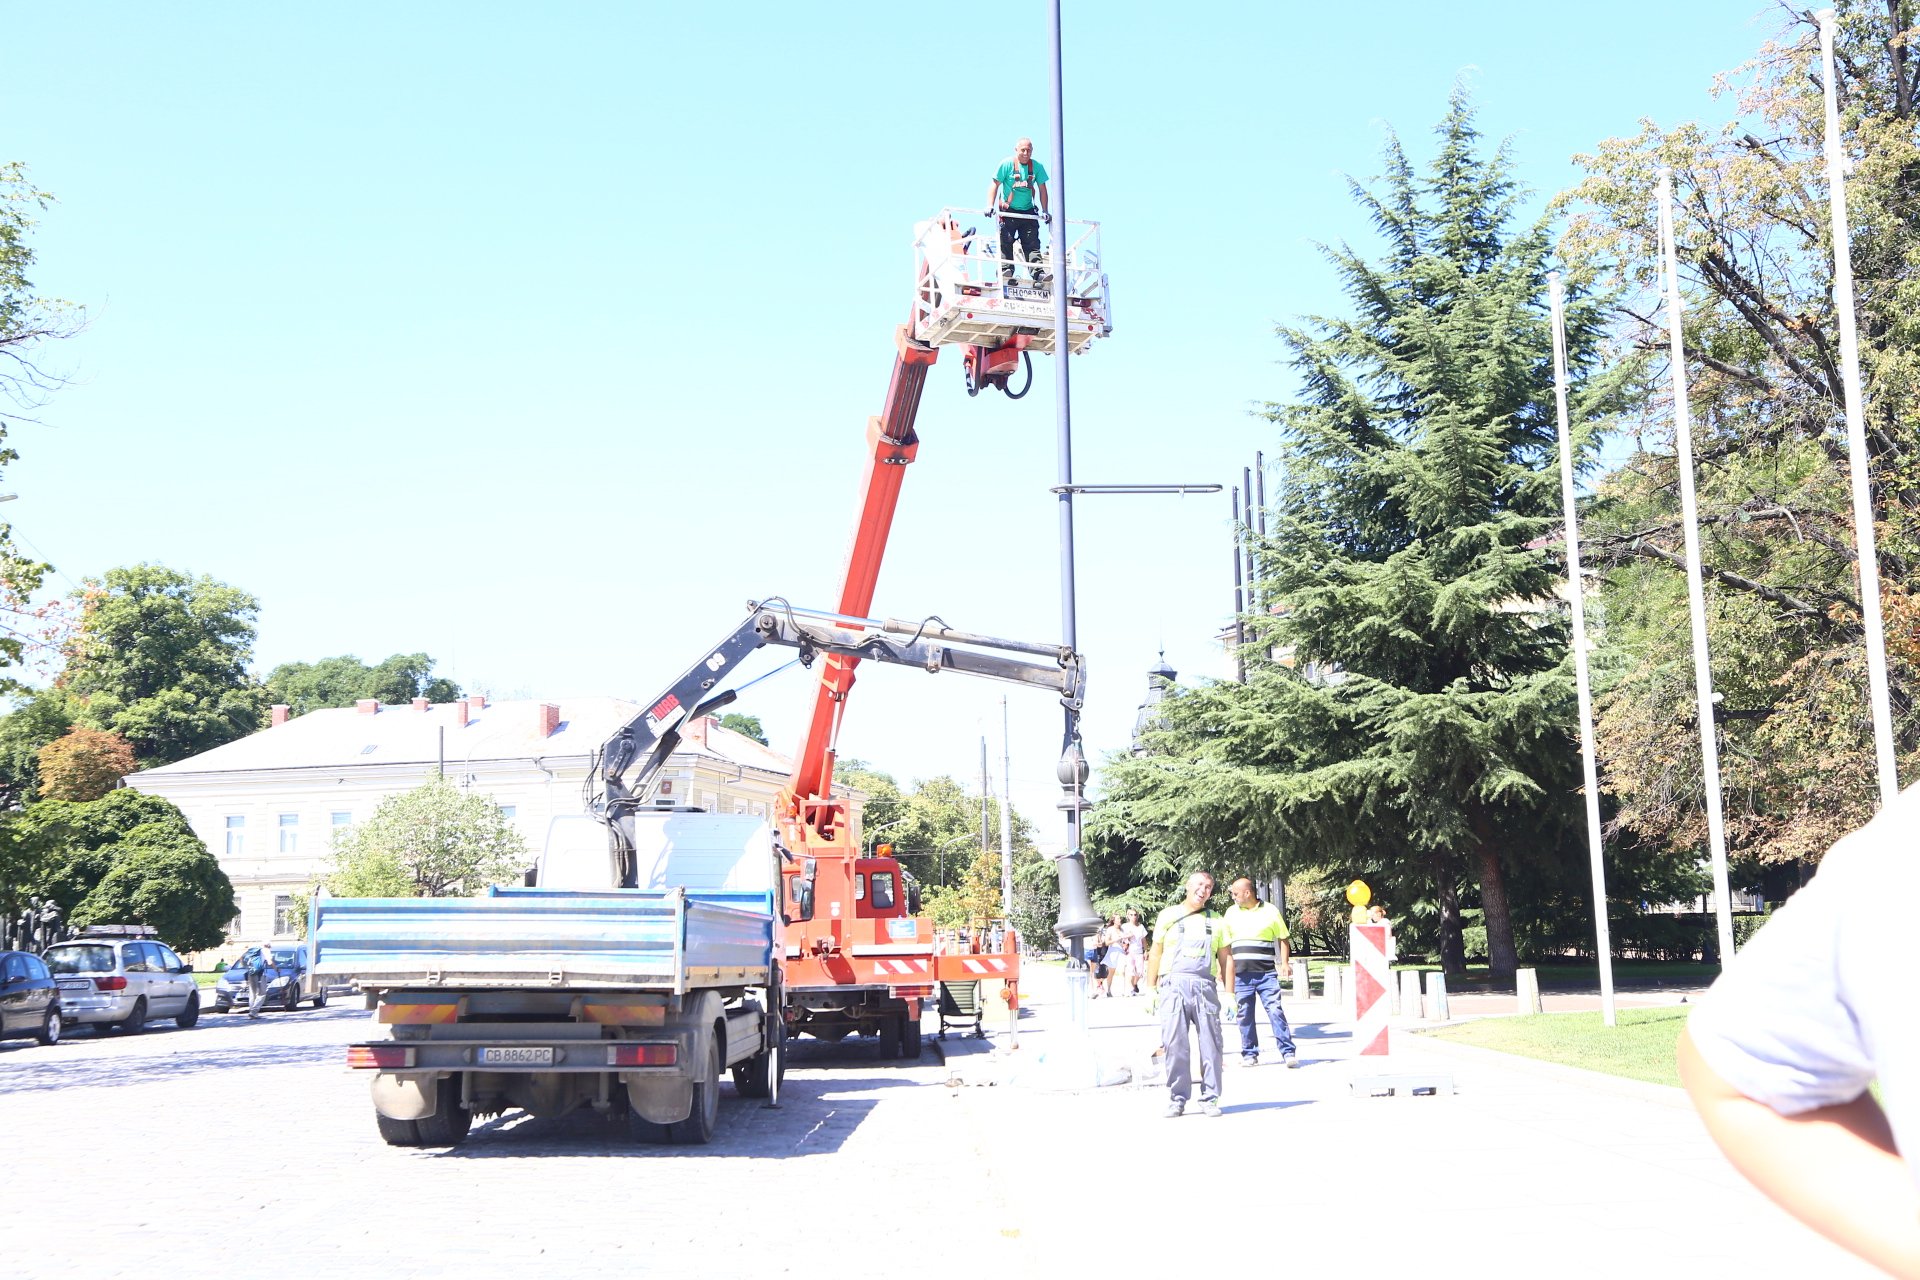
(1453, 952)
(1502, 960)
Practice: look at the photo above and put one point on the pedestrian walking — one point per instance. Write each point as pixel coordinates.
(1257, 936)
(1188, 946)
(258, 966)
(1137, 949)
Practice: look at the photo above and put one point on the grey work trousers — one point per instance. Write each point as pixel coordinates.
(1189, 1001)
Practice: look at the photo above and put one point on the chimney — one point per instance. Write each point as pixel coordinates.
(367, 706)
(549, 719)
(420, 704)
(280, 711)
(460, 710)
(697, 730)
(477, 701)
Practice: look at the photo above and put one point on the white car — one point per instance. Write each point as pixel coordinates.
(122, 983)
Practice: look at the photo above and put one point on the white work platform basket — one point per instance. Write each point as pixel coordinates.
(961, 296)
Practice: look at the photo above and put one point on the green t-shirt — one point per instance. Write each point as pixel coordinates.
(1017, 182)
(1187, 940)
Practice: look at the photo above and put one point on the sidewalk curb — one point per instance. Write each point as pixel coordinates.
(1664, 1095)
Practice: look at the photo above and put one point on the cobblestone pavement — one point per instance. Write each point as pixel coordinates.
(244, 1149)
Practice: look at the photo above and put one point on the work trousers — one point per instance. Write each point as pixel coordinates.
(1190, 1002)
(256, 993)
(1264, 988)
(1025, 228)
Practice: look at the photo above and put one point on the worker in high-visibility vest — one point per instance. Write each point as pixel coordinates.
(1187, 948)
(1257, 936)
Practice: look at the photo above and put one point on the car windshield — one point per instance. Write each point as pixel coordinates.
(81, 958)
(279, 959)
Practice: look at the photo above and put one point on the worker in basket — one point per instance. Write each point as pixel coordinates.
(1012, 199)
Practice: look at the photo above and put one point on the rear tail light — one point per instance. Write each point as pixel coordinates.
(381, 1057)
(642, 1055)
(911, 993)
(115, 983)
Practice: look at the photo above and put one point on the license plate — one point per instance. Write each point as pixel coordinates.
(75, 986)
(516, 1056)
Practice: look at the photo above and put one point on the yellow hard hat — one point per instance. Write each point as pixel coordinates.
(1358, 893)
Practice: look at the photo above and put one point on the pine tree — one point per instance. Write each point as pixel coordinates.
(1420, 730)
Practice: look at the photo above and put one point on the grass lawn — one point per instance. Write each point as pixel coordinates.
(1640, 1047)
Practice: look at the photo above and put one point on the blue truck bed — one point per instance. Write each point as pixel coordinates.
(668, 940)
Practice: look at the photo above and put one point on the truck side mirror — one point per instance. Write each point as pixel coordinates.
(803, 889)
(913, 897)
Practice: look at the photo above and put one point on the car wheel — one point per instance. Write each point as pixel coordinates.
(50, 1033)
(222, 1006)
(190, 1014)
(136, 1022)
(697, 1129)
(293, 998)
(320, 1000)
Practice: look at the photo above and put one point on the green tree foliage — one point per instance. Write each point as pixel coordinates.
(161, 659)
(36, 721)
(435, 841)
(1421, 732)
(126, 858)
(748, 726)
(343, 681)
(84, 764)
(1754, 241)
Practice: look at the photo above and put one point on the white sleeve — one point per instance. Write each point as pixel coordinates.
(1779, 1025)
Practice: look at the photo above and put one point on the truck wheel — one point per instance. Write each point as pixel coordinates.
(448, 1124)
(320, 1001)
(758, 1076)
(890, 1036)
(641, 1129)
(697, 1129)
(910, 1039)
(398, 1133)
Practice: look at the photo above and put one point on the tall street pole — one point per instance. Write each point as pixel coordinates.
(1006, 814)
(1077, 921)
(1858, 459)
(1696, 592)
(1601, 929)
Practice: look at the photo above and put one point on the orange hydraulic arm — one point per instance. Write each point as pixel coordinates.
(892, 445)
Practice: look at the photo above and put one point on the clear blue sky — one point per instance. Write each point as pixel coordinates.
(541, 338)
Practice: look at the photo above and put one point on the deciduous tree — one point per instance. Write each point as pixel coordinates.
(84, 764)
(345, 680)
(434, 841)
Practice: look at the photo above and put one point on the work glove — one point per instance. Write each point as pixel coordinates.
(1153, 1003)
(1046, 217)
(992, 212)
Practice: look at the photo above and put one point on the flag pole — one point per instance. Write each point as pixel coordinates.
(1858, 459)
(1589, 762)
(1696, 592)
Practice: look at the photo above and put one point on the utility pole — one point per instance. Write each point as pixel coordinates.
(1239, 600)
(1006, 813)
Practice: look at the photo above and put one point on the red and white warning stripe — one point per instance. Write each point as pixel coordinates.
(884, 969)
(1370, 978)
(985, 966)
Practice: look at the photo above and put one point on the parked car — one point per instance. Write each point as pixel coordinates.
(286, 978)
(29, 1000)
(109, 980)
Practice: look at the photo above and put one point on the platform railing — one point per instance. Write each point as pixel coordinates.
(957, 261)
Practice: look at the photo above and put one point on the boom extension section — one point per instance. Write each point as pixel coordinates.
(650, 737)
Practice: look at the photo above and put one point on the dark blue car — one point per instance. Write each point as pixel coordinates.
(286, 980)
(29, 998)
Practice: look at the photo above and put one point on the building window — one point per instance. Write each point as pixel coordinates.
(340, 818)
(289, 833)
(285, 917)
(509, 810)
(236, 835)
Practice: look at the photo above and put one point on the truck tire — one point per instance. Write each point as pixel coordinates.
(890, 1035)
(759, 1076)
(397, 1133)
(910, 1039)
(697, 1129)
(448, 1125)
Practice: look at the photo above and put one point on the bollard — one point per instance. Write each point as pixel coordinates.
(1437, 997)
(1330, 984)
(1302, 988)
(1393, 994)
(1409, 994)
(1526, 984)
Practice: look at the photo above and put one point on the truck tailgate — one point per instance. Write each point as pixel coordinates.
(631, 938)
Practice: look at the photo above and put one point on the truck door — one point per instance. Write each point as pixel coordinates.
(877, 891)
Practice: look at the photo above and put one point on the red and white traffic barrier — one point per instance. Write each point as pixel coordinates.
(1371, 976)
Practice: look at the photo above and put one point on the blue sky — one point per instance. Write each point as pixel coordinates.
(541, 338)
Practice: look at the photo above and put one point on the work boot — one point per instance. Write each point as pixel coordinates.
(1292, 1061)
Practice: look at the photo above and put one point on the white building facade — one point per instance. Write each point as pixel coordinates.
(268, 805)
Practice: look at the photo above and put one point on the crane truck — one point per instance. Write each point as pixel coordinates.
(659, 948)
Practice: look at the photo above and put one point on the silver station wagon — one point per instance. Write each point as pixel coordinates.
(122, 983)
